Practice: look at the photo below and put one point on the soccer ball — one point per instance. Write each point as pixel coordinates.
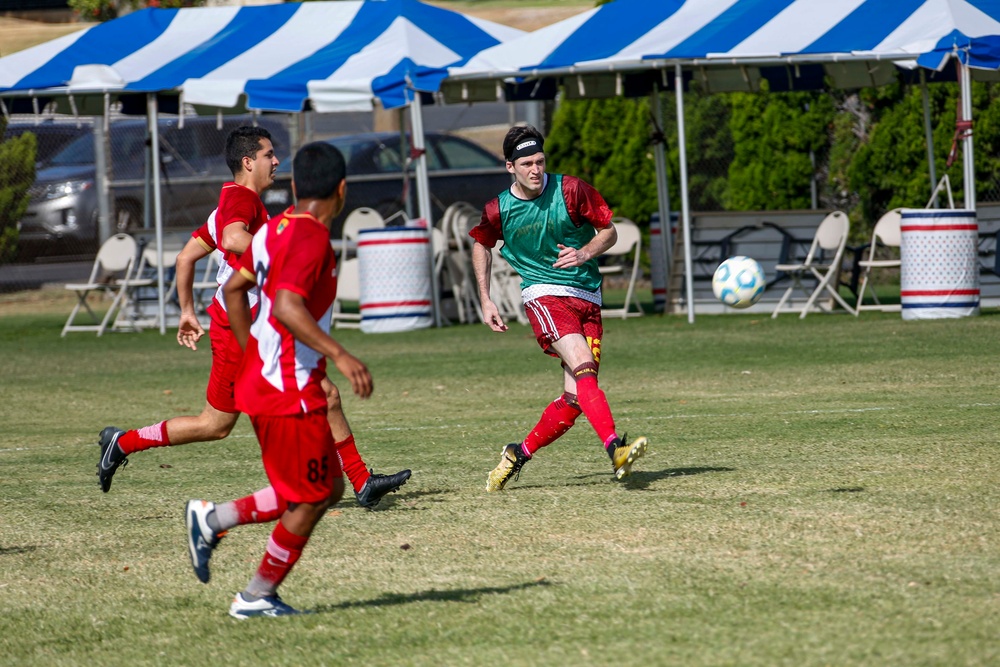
(739, 282)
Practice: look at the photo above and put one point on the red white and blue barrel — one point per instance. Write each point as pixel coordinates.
(395, 273)
(939, 263)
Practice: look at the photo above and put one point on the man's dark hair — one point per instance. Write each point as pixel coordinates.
(518, 135)
(243, 142)
(317, 170)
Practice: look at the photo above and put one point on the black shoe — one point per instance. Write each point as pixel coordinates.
(111, 456)
(378, 486)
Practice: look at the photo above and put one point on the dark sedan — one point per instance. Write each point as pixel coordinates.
(459, 170)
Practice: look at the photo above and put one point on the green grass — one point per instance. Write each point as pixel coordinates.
(817, 492)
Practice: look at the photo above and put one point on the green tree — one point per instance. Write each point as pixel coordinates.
(709, 148)
(773, 134)
(17, 156)
(105, 10)
(607, 143)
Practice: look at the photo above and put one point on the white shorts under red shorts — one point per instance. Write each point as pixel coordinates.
(226, 357)
(299, 456)
(553, 317)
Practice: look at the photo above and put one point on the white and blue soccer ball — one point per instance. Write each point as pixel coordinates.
(739, 282)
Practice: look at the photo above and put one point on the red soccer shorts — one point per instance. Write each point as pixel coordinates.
(299, 456)
(553, 317)
(226, 357)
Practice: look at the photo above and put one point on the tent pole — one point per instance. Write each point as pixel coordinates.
(928, 135)
(968, 162)
(152, 113)
(662, 187)
(102, 173)
(685, 207)
(424, 196)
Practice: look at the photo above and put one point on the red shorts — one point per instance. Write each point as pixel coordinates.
(226, 357)
(553, 317)
(299, 456)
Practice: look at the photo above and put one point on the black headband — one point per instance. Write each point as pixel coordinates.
(525, 148)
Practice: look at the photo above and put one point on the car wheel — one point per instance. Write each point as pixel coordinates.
(128, 217)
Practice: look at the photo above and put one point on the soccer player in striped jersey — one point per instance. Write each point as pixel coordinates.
(553, 227)
(228, 231)
(282, 376)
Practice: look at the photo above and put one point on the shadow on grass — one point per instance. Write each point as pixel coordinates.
(467, 595)
(847, 489)
(637, 480)
(641, 479)
(13, 551)
(409, 499)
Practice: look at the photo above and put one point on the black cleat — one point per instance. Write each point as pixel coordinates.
(111, 456)
(378, 486)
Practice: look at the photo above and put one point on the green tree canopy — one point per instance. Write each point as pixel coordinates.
(17, 156)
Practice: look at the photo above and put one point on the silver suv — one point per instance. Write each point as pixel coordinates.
(62, 215)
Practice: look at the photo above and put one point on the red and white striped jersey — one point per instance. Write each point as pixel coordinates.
(279, 375)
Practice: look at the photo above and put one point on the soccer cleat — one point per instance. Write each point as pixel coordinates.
(623, 454)
(511, 459)
(271, 605)
(377, 486)
(111, 456)
(202, 540)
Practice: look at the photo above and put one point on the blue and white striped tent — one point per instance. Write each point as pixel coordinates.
(329, 56)
(631, 47)
(734, 44)
(338, 56)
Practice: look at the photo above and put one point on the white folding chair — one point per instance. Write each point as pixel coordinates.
(348, 289)
(358, 219)
(831, 237)
(109, 277)
(886, 234)
(145, 276)
(629, 241)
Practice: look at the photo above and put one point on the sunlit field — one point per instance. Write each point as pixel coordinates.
(817, 492)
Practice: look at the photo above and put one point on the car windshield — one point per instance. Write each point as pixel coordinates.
(79, 151)
(127, 147)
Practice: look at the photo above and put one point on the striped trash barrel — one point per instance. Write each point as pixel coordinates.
(395, 275)
(939, 263)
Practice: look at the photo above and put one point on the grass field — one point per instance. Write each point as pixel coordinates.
(817, 492)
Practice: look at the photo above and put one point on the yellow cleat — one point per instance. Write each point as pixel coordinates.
(511, 459)
(625, 454)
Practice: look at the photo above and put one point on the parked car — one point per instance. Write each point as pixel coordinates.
(51, 136)
(459, 170)
(63, 211)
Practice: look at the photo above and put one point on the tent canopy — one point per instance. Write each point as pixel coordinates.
(732, 45)
(632, 47)
(337, 56)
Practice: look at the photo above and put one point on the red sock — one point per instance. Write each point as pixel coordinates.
(352, 464)
(138, 440)
(593, 402)
(557, 418)
(283, 550)
(262, 506)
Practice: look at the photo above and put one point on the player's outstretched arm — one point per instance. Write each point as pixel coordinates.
(290, 309)
(189, 330)
(482, 264)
